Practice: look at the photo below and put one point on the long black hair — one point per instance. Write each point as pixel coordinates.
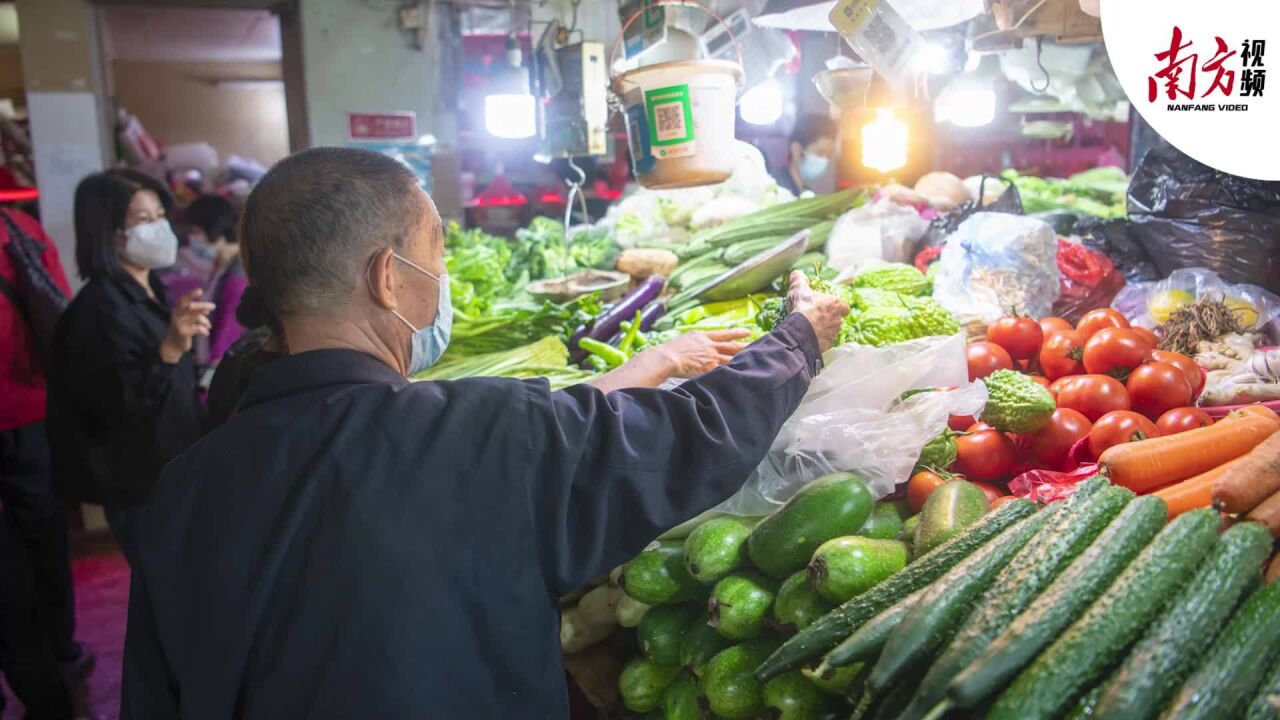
(101, 205)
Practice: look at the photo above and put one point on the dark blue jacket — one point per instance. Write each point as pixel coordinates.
(353, 545)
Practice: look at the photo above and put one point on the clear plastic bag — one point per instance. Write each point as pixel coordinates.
(851, 420)
(995, 264)
(880, 232)
(1150, 304)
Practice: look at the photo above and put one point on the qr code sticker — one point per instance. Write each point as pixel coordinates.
(884, 40)
(669, 118)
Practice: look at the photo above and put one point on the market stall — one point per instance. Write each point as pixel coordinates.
(1038, 475)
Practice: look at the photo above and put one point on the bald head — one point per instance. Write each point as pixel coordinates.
(313, 223)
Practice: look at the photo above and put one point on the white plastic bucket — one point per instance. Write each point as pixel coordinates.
(680, 121)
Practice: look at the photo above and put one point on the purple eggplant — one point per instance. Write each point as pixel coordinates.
(607, 323)
(651, 313)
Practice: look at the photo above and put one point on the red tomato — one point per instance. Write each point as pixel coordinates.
(1115, 352)
(1183, 419)
(984, 455)
(993, 493)
(1050, 325)
(1095, 320)
(960, 423)
(1021, 337)
(1157, 387)
(986, 358)
(1041, 380)
(1094, 396)
(1061, 354)
(978, 427)
(1120, 426)
(921, 486)
(1190, 368)
(1050, 446)
(1056, 386)
(1147, 334)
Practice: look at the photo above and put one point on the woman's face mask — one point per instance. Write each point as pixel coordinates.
(813, 166)
(151, 245)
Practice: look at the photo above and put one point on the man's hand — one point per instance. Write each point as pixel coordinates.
(824, 312)
(695, 353)
(188, 319)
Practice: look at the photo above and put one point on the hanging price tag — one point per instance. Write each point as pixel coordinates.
(881, 37)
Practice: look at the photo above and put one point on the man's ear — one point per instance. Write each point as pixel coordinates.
(382, 282)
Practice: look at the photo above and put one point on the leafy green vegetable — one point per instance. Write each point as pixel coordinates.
(547, 358)
(1097, 192)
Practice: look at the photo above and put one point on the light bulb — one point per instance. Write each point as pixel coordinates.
(884, 142)
(512, 117)
(762, 104)
(966, 102)
(933, 59)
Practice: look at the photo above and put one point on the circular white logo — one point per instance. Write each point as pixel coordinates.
(1205, 75)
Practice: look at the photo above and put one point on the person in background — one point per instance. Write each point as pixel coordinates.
(122, 385)
(811, 166)
(214, 219)
(44, 665)
(350, 544)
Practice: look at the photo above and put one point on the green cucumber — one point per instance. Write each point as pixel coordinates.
(839, 623)
(885, 521)
(1236, 663)
(836, 681)
(798, 605)
(1062, 602)
(643, 682)
(909, 526)
(682, 699)
(1085, 514)
(662, 631)
(701, 643)
(732, 693)
(1167, 654)
(865, 644)
(791, 696)
(950, 509)
(657, 575)
(1266, 703)
(1085, 705)
(935, 618)
(892, 701)
(740, 603)
(847, 566)
(829, 507)
(1094, 641)
(716, 548)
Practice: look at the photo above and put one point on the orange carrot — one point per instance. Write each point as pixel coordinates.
(1253, 479)
(1273, 570)
(1258, 411)
(1146, 465)
(1195, 492)
(1268, 513)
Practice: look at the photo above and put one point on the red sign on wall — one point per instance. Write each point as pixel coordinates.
(382, 126)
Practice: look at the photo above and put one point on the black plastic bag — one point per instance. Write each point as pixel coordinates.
(942, 226)
(1115, 239)
(1186, 214)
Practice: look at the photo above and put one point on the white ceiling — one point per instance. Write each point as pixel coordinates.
(188, 34)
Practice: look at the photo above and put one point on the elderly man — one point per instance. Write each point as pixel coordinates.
(353, 545)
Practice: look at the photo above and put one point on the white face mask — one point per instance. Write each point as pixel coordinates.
(150, 245)
(813, 167)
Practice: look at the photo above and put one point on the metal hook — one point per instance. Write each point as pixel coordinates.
(575, 192)
(1043, 69)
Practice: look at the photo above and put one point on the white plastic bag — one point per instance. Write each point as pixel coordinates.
(995, 264)
(851, 420)
(880, 232)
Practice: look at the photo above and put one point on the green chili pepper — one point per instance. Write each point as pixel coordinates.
(597, 363)
(633, 330)
(612, 356)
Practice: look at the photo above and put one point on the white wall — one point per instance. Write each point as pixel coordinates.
(356, 60)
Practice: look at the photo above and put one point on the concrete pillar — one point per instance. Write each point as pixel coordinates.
(70, 132)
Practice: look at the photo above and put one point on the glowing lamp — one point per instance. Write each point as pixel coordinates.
(511, 117)
(884, 142)
(762, 104)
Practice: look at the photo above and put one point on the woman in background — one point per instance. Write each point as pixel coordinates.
(215, 219)
(122, 393)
